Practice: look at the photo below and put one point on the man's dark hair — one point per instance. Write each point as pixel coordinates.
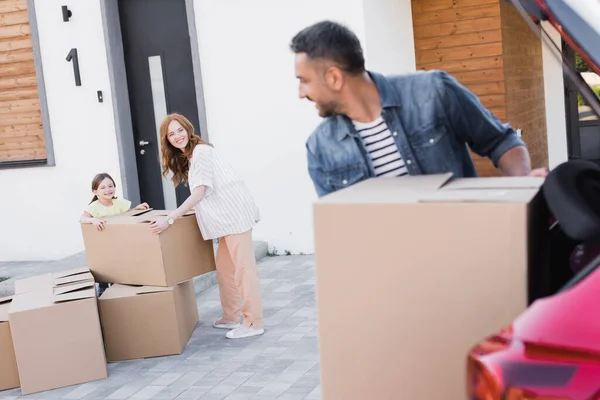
(331, 41)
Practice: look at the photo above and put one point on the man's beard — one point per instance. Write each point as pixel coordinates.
(328, 110)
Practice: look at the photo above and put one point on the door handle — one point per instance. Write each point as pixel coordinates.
(143, 143)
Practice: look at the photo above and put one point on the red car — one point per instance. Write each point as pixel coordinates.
(552, 350)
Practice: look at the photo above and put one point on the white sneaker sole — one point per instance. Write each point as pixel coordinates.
(227, 326)
(255, 332)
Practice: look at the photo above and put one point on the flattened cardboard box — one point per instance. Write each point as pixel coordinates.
(145, 321)
(9, 375)
(436, 264)
(127, 252)
(56, 331)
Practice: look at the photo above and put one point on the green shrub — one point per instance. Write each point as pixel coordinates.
(580, 101)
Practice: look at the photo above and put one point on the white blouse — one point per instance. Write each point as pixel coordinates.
(227, 207)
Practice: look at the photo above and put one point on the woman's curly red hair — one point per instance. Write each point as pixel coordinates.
(174, 159)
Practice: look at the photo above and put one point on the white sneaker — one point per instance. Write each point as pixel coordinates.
(224, 324)
(244, 332)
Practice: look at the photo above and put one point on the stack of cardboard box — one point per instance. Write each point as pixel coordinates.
(150, 310)
(55, 332)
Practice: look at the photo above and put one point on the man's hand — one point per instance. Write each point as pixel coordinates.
(539, 172)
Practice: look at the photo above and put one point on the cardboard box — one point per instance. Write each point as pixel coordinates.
(145, 321)
(412, 272)
(127, 252)
(56, 331)
(9, 375)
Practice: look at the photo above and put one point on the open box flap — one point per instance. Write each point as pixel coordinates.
(140, 216)
(129, 216)
(4, 307)
(480, 196)
(81, 294)
(33, 283)
(73, 288)
(406, 189)
(517, 182)
(78, 278)
(157, 214)
(71, 272)
(119, 291)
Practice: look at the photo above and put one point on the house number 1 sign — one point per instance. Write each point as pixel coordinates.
(72, 57)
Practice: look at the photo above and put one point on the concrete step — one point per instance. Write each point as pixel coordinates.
(24, 269)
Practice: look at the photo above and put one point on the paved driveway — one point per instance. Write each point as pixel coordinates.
(281, 364)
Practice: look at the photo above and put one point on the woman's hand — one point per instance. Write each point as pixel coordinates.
(98, 223)
(159, 225)
(143, 206)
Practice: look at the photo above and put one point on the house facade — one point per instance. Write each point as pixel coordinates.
(84, 83)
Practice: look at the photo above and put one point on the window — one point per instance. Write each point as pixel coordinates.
(23, 140)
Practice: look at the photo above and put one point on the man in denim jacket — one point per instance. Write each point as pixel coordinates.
(418, 123)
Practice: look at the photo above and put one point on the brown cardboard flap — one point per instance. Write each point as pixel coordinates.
(73, 288)
(34, 283)
(75, 295)
(72, 272)
(153, 289)
(388, 190)
(497, 182)
(119, 291)
(77, 278)
(480, 196)
(4, 308)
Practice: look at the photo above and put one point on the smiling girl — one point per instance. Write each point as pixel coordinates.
(105, 204)
(225, 210)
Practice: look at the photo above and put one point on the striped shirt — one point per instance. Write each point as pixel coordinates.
(227, 206)
(381, 148)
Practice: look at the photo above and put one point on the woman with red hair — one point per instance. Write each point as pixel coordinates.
(225, 210)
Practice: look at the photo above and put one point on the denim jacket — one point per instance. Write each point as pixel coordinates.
(433, 119)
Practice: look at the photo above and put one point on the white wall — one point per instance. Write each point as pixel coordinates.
(41, 207)
(389, 42)
(254, 115)
(555, 99)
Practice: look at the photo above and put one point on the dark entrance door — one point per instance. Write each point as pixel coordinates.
(160, 78)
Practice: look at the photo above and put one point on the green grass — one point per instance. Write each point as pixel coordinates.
(2, 278)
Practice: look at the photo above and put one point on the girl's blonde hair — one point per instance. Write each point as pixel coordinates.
(174, 159)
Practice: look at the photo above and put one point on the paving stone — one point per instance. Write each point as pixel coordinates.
(281, 364)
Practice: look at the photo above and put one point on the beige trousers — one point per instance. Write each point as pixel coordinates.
(238, 280)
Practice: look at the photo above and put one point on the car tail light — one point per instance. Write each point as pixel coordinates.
(482, 382)
(521, 394)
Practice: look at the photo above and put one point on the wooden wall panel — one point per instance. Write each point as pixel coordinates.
(464, 38)
(524, 77)
(487, 47)
(21, 130)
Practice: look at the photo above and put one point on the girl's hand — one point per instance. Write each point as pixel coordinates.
(98, 223)
(159, 226)
(143, 206)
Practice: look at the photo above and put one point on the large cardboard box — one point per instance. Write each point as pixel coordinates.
(9, 375)
(412, 272)
(127, 252)
(145, 321)
(56, 332)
